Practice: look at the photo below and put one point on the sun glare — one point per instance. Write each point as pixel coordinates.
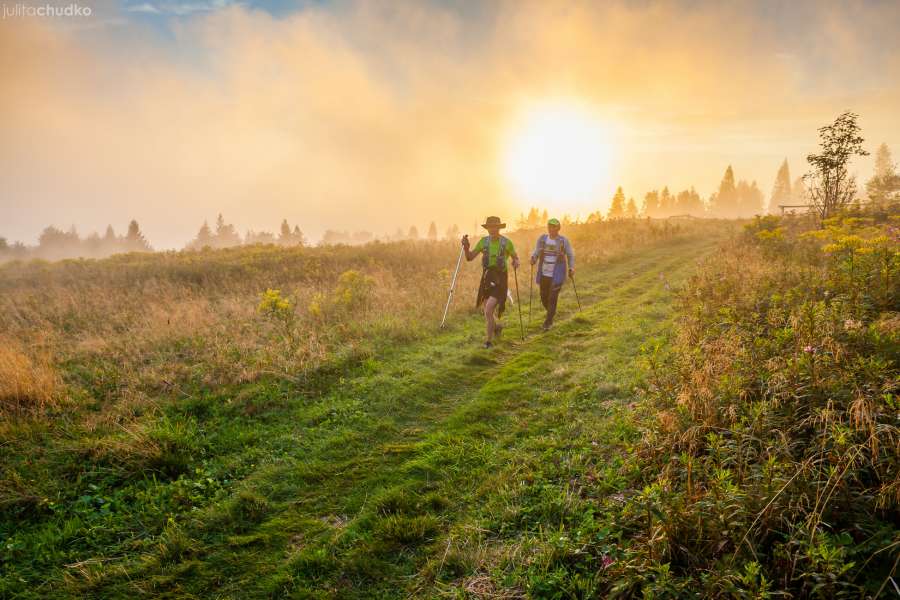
(558, 155)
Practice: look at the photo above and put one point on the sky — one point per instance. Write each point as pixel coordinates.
(383, 114)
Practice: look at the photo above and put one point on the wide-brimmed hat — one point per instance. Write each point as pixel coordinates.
(553, 222)
(493, 222)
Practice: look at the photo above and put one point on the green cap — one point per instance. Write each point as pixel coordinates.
(553, 222)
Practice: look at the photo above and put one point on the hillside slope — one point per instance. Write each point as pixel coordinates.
(439, 466)
(431, 467)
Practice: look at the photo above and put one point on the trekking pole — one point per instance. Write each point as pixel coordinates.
(452, 287)
(574, 287)
(518, 305)
(530, 288)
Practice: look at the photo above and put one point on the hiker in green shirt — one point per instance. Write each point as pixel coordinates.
(493, 248)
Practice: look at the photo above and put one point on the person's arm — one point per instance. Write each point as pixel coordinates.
(515, 257)
(537, 250)
(570, 254)
(471, 254)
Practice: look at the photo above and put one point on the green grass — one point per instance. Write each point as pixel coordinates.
(429, 468)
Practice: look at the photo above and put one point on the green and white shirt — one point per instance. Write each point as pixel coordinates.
(494, 250)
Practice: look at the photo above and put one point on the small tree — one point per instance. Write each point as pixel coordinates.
(617, 208)
(666, 202)
(432, 231)
(724, 202)
(781, 191)
(135, 240)
(651, 204)
(748, 200)
(884, 186)
(204, 237)
(284, 234)
(631, 210)
(413, 233)
(829, 185)
(226, 234)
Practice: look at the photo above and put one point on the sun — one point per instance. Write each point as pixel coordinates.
(559, 154)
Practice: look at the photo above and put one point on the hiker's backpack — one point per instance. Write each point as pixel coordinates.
(559, 270)
(486, 252)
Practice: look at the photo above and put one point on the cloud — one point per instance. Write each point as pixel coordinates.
(187, 8)
(179, 9)
(374, 115)
(145, 7)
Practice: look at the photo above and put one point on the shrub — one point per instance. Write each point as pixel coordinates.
(354, 290)
(777, 463)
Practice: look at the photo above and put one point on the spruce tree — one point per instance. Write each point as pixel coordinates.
(884, 186)
(690, 203)
(204, 237)
(781, 191)
(651, 204)
(285, 238)
(724, 202)
(666, 203)
(631, 210)
(617, 208)
(134, 239)
(432, 231)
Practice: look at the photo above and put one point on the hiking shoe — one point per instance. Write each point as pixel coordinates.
(546, 325)
(487, 345)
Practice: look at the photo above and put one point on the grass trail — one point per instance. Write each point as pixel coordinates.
(438, 468)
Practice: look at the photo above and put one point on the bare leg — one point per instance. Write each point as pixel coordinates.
(489, 305)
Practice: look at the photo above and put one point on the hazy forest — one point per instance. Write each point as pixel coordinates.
(733, 199)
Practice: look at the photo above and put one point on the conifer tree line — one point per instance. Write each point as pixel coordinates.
(732, 199)
(226, 235)
(400, 234)
(56, 244)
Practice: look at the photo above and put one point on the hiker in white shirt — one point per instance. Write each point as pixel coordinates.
(552, 253)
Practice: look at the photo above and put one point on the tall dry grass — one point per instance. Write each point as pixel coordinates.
(27, 385)
(148, 325)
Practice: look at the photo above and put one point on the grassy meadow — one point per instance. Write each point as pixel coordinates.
(721, 420)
